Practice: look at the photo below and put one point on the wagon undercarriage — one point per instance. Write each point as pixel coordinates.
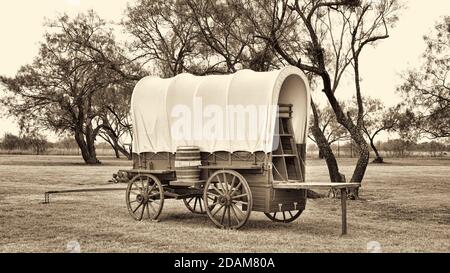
(228, 200)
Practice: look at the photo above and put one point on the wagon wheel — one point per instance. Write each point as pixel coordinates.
(194, 204)
(284, 216)
(145, 197)
(228, 199)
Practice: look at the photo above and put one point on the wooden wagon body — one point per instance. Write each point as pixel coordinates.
(265, 173)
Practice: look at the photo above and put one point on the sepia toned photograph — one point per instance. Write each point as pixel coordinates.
(225, 126)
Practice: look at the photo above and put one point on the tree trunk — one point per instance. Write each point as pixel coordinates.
(114, 142)
(321, 156)
(378, 158)
(116, 151)
(325, 149)
(124, 151)
(363, 160)
(87, 150)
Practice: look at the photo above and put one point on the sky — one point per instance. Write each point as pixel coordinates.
(21, 29)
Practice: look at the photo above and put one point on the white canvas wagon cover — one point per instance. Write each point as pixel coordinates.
(236, 112)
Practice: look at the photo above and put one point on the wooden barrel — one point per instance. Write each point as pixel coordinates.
(187, 160)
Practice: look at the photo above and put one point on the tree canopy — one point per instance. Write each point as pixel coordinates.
(62, 88)
(427, 88)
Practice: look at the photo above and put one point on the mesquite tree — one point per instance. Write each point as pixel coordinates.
(195, 36)
(325, 38)
(59, 90)
(378, 118)
(115, 119)
(427, 88)
(164, 35)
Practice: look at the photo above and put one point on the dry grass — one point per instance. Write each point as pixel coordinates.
(405, 207)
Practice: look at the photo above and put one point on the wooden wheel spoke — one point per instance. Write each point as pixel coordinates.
(235, 189)
(213, 204)
(142, 182)
(239, 202)
(148, 212)
(229, 216)
(154, 201)
(235, 214)
(217, 190)
(225, 181)
(150, 205)
(221, 206)
(140, 204)
(232, 182)
(237, 209)
(219, 181)
(136, 187)
(200, 203)
(212, 198)
(151, 189)
(142, 211)
(154, 195)
(240, 196)
(147, 184)
(135, 193)
(195, 203)
(197, 206)
(223, 215)
(215, 195)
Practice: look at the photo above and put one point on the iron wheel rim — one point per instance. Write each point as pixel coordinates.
(225, 196)
(144, 197)
(288, 216)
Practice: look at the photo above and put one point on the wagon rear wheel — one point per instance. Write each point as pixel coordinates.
(284, 216)
(195, 205)
(145, 197)
(228, 199)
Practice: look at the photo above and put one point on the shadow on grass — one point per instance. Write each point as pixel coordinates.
(256, 223)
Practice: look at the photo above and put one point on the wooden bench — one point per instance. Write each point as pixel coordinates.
(319, 185)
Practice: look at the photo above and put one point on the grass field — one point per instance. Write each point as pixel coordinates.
(405, 206)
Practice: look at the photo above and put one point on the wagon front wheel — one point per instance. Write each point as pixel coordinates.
(228, 199)
(145, 197)
(284, 216)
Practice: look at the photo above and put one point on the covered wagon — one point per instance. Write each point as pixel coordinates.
(227, 145)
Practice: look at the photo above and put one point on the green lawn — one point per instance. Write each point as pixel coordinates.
(405, 206)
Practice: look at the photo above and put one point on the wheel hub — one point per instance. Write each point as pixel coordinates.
(225, 200)
(141, 198)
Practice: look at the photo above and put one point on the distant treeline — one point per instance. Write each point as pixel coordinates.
(391, 148)
(39, 145)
